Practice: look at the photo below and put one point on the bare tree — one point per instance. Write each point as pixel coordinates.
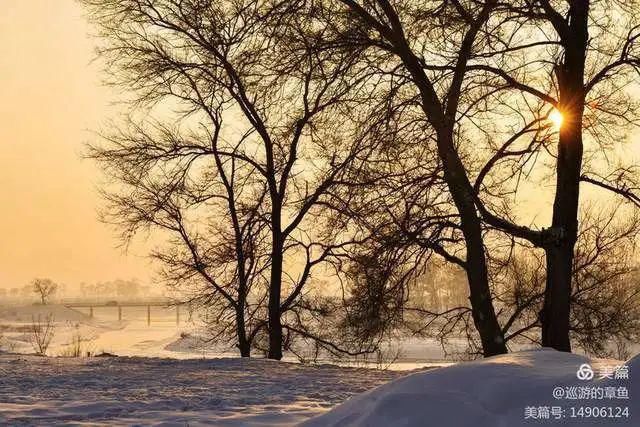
(567, 70)
(396, 37)
(569, 59)
(42, 331)
(250, 63)
(206, 208)
(431, 68)
(44, 288)
(282, 72)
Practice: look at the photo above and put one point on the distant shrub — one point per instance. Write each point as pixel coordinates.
(42, 330)
(74, 349)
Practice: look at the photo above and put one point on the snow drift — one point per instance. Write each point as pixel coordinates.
(501, 391)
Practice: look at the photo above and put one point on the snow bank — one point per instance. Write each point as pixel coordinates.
(502, 391)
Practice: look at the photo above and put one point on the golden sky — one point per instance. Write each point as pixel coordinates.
(50, 95)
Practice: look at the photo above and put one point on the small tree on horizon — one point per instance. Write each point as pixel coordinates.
(44, 288)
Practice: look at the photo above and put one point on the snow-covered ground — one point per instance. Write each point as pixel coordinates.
(505, 391)
(533, 388)
(182, 381)
(153, 391)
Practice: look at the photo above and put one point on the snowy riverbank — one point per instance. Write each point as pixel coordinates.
(171, 379)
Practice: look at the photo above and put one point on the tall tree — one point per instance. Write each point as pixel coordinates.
(498, 47)
(251, 60)
(582, 69)
(410, 35)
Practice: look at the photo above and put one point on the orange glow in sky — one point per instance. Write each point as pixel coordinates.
(51, 96)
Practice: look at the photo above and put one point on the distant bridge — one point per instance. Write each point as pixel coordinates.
(120, 305)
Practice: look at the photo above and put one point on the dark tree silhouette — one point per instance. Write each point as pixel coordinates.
(400, 33)
(367, 134)
(203, 201)
(289, 141)
(520, 56)
(582, 68)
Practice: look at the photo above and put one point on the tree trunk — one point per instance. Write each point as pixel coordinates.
(556, 310)
(559, 249)
(243, 344)
(275, 288)
(484, 316)
(275, 325)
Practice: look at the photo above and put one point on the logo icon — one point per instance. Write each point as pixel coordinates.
(585, 372)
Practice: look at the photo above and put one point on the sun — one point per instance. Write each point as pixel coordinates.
(557, 118)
